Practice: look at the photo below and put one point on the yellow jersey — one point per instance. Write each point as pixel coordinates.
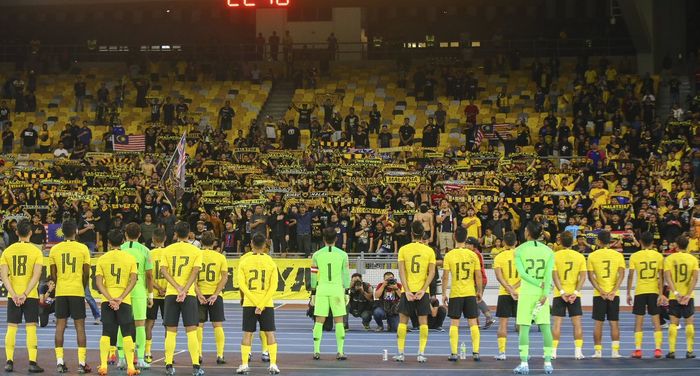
(463, 264)
(648, 265)
(416, 258)
(569, 264)
(158, 279)
(472, 224)
(116, 267)
(506, 262)
(605, 264)
(599, 196)
(21, 258)
(181, 259)
(257, 278)
(69, 257)
(214, 268)
(681, 266)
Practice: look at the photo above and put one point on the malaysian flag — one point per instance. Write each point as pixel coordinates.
(478, 137)
(173, 179)
(135, 143)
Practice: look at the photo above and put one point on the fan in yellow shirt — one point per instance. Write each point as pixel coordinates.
(507, 275)
(212, 279)
(598, 194)
(465, 292)
(647, 265)
(115, 277)
(257, 277)
(571, 272)
(159, 286)
(606, 271)
(681, 272)
(21, 266)
(180, 263)
(473, 224)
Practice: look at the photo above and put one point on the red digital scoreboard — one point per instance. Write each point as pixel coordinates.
(252, 4)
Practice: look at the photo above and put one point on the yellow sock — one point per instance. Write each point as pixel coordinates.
(578, 343)
(423, 338)
(10, 338)
(615, 345)
(149, 345)
(193, 347)
(476, 338)
(401, 337)
(672, 336)
(82, 355)
(32, 342)
(598, 347)
(245, 354)
(128, 343)
(273, 353)
(638, 339)
(170, 343)
(454, 338)
(200, 337)
(689, 337)
(659, 338)
(263, 341)
(555, 344)
(104, 351)
(59, 355)
(502, 344)
(112, 351)
(220, 339)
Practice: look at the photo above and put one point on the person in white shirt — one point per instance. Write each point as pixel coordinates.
(60, 151)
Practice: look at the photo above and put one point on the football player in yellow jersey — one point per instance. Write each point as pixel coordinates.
(606, 271)
(571, 273)
(681, 272)
(212, 279)
(417, 270)
(465, 290)
(159, 286)
(265, 356)
(647, 264)
(180, 263)
(115, 277)
(21, 266)
(257, 277)
(507, 276)
(69, 262)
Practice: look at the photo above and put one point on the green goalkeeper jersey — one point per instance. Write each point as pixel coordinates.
(330, 272)
(534, 261)
(143, 264)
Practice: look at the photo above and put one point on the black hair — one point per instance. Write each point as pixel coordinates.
(24, 228)
(417, 230)
(258, 240)
(356, 275)
(604, 237)
(460, 234)
(208, 239)
(133, 230)
(510, 239)
(115, 237)
(69, 228)
(158, 235)
(534, 229)
(329, 236)
(647, 238)
(182, 230)
(682, 242)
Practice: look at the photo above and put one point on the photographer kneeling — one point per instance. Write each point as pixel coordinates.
(361, 300)
(387, 296)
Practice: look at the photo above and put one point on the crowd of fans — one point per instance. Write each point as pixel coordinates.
(617, 166)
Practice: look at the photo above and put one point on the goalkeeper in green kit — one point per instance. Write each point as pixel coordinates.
(140, 300)
(534, 261)
(330, 277)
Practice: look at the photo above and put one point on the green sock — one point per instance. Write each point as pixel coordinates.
(340, 336)
(318, 334)
(524, 345)
(120, 344)
(546, 330)
(141, 341)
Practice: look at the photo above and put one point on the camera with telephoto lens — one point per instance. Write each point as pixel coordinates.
(391, 281)
(357, 285)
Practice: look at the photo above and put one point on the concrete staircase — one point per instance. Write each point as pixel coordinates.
(663, 99)
(278, 100)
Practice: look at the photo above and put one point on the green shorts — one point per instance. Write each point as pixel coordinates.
(526, 305)
(326, 304)
(140, 307)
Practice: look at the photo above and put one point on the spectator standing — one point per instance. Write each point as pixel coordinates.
(274, 42)
(406, 133)
(29, 139)
(8, 138)
(226, 115)
(79, 90)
